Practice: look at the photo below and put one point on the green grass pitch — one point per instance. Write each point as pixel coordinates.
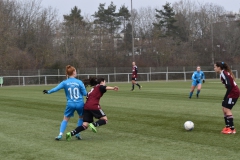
(144, 124)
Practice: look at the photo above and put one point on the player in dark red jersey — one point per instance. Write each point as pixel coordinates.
(92, 107)
(230, 97)
(134, 76)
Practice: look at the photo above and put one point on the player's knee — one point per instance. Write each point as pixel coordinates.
(85, 125)
(104, 118)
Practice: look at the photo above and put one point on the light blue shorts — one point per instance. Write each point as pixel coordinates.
(194, 83)
(72, 107)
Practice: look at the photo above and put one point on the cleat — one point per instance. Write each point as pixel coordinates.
(227, 131)
(197, 95)
(225, 128)
(78, 136)
(93, 128)
(132, 90)
(58, 137)
(189, 97)
(234, 131)
(140, 87)
(68, 136)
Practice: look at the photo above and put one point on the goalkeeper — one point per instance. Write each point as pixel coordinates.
(198, 78)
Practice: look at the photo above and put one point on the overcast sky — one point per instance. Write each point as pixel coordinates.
(91, 6)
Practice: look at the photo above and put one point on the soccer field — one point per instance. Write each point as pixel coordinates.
(144, 124)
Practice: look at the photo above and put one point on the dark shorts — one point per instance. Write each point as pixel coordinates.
(134, 79)
(229, 102)
(89, 114)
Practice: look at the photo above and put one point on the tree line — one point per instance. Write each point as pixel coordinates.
(180, 34)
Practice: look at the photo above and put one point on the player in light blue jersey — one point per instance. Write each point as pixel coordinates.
(198, 78)
(74, 91)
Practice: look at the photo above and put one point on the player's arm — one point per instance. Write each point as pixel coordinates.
(194, 77)
(115, 88)
(203, 77)
(228, 86)
(55, 89)
(136, 70)
(83, 89)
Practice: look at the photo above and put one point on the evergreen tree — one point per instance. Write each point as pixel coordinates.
(107, 18)
(74, 19)
(128, 37)
(74, 27)
(124, 15)
(166, 20)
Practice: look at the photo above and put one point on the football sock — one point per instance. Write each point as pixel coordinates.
(226, 121)
(190, 94)
(138, 85)
(78, 129)
(80, 122)
(198, 91)
(99, 123)
(132, 86)
(63, 126)
(230, 120)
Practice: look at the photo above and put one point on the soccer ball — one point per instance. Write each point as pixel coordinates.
(189, 125)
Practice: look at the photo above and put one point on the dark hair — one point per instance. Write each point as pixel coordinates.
(224, 66)
(92, 81)
(69, 70)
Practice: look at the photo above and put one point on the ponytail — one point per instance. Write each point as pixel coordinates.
(225, 66)
(92, 81)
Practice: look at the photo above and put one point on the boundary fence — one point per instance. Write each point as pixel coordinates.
(45, 79)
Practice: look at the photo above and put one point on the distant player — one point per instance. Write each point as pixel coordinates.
(134, 76)
(92, 108)
(198, 78)
(74, 91)
(231, 96)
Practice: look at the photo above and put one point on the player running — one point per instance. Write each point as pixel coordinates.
(74, 91)
(198, 78)
(231, 95)
(92, 107)
(134, 76)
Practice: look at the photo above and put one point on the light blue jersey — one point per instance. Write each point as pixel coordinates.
(197, 78)
(74, 91)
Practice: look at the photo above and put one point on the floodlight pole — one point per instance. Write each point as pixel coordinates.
(132, 33)
(212, 34)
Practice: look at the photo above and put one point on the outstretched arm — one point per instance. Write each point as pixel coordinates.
(55, 89)
(115, 88)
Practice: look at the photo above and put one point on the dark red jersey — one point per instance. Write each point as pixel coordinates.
(94, 96)
(230, 84)
(134, 71)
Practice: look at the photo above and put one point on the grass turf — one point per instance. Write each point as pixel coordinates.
(143, 124)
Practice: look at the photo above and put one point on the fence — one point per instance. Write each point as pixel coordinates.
(45, 77)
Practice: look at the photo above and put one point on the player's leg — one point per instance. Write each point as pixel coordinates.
(77, 130)
(87, 118)
(102, 119)
(228, 117)
(63, 126)
(80, 119)
(133, 82)
(139, 86)
(69, 112)
(198, 89)
(192, 90)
